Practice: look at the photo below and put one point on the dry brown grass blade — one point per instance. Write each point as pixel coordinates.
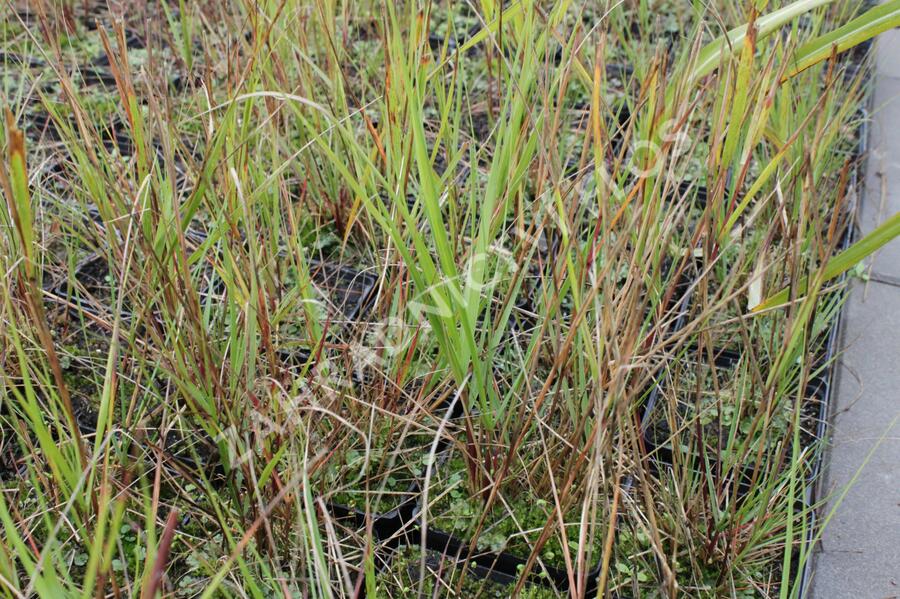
(157, 572)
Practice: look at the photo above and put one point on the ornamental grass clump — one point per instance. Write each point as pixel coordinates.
(292, 287)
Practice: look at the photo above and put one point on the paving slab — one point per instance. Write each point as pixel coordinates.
(859, 555)
(882, 179)
(889, 49)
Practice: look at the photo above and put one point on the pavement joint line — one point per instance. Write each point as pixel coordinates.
(884, 279)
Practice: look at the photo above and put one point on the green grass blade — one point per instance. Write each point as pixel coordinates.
(733, 41)
(844, 261)
(866, 26)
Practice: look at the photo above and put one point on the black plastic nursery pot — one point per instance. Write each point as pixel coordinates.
(703, 422)
(657, 442)
(88, 287)
(411, 535)
(738, 478)
(403, 529)
(346, 291)
(349, 290)
(392, 490)
(88, 294)
(417, 572)
(393, 524)
(501, 568)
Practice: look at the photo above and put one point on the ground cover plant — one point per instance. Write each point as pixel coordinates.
(405, 299)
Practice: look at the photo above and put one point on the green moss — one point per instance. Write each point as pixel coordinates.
(388, 478)
(380, 491)
(513, 525)
(721, 402)
(635, 571)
